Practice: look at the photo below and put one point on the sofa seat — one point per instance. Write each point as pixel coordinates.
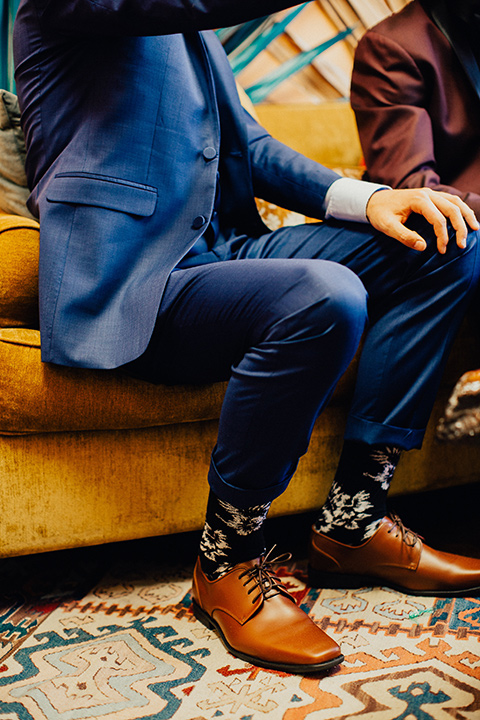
(90, 457)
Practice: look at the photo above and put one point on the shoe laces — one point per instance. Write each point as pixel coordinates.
(264, 579)
(408, 536)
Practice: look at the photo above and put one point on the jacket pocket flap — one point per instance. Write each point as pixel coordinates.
(110, 193)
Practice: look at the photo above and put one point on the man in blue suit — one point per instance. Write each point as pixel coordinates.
(144, 168)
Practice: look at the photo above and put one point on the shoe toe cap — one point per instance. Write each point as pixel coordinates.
(283, 633)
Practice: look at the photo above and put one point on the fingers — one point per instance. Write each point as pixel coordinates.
(438, 208)
(388, 210)
(425, 206)
(469, 215)
(460, 215)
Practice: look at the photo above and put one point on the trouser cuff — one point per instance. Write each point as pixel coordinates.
(243, 497)
(374, 433)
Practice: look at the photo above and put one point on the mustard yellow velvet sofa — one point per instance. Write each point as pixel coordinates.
(89, 457)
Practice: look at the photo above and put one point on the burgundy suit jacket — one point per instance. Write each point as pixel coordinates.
(417, 112)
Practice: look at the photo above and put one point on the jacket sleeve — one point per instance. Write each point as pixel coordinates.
(150, 17)
(284, 176)
(388, 95)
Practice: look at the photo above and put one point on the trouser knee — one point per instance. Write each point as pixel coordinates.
(458, 267)
(326, 300)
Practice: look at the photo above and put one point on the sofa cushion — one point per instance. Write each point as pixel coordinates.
(13, 181)
(37, 397)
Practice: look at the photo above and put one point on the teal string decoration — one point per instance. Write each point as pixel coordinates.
(235, 37)
(260, 90)
(8, 10)
(263, 39)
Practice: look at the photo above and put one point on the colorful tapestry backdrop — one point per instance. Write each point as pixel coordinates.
(128, 647)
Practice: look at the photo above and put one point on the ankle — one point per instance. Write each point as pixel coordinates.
(231, 535)
(356, 503)
(346, 534)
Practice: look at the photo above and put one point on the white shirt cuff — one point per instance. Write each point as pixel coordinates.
(347, 199)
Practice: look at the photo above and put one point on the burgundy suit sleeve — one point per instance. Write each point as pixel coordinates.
(388, 95)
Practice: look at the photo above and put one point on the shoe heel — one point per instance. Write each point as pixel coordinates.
(319, 579)
(202, 616)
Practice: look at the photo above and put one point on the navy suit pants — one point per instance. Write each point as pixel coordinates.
(281, 317)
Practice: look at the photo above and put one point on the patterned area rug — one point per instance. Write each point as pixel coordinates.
(108, 634)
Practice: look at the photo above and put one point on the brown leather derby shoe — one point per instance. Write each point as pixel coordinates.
(394, 557)
(259, 621)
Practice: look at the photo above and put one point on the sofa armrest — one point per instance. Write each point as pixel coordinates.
(19, 246)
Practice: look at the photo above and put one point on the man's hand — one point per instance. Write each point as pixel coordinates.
(388, 210)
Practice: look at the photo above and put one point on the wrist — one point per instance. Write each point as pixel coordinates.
(377, 190)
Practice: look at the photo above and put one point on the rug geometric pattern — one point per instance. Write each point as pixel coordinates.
(130, 648)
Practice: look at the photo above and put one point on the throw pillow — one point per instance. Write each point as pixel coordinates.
(13, 181)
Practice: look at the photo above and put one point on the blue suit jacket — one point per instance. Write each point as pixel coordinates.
(127, 124)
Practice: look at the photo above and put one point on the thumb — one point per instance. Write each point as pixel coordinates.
(407, 237)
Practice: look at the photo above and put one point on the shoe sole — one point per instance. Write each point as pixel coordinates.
(210, 623)
(337, 581)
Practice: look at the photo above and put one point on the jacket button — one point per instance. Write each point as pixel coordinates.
(198, 222)
(209, 153)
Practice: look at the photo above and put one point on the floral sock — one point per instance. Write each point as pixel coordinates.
(231, 535)
(356, 502)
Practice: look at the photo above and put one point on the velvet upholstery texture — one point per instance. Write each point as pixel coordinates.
(39, 397)
(18, 272)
